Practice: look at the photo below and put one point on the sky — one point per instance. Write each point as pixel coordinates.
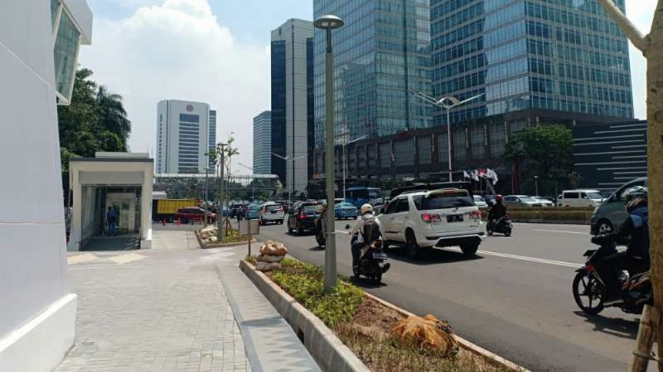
(217, 51)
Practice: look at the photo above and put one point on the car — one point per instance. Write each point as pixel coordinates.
(610, 215)
(303, 217)
(581, 198)
(439, 218)
(479, 202)
(522, 201)
(186, 215)
(271, 212)
(345, 210)
(545, 202)
(237, 209)
(489, 199)
(252, 211)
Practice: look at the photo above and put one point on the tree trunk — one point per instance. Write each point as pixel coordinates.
(654, 55)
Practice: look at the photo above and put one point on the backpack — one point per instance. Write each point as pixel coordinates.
(371, 231)
(640, 218)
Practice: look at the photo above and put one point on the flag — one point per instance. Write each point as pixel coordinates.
(475, 175)
(493, 176)
(466, 175)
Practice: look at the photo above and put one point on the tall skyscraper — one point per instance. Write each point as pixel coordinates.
(381, 54)
(566, 56)
(262, 143)
(292, 103)
(184, 136)
(212, 135)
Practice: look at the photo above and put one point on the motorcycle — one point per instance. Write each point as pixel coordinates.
(502, 226)
(320, 236)
(592, 289)
(371, 260)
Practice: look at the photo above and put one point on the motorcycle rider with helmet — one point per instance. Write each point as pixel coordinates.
(498, 210)
(634, 233)
(358, 233)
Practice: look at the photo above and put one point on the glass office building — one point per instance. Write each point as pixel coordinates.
(380, 55)
(560, 55)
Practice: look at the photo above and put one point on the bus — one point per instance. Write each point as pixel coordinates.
(359, 196)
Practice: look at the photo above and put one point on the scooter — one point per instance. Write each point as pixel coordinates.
(502, 226)
(371, 260)
(320, 236)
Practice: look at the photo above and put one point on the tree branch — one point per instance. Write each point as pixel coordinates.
(640, 41)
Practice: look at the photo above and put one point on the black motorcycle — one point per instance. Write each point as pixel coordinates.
(596, 287)
(501, 226)
(372, 262)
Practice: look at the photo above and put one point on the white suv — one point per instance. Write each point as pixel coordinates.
(271, 212)
(427, 219)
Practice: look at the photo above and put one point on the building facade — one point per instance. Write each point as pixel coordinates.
(525, 57)
(608, 156)
(184, 131)
(292, 103)
(39, 42)
(212, 136)
(380, 56)
(262, 143)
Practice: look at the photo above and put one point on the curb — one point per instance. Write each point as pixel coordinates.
(221, 245)
(489, 357)
(328, 351)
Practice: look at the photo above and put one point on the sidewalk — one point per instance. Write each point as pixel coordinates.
(168, 309)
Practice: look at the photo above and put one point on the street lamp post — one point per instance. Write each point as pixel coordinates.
(345, 160)
(447, 103)
(536, 185)
(206, 197)
(293, 159)
(329, 23)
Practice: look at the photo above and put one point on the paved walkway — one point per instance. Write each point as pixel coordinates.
(166, 309)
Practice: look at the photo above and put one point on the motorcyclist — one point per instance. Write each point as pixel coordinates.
(498, 210)
(634, 233)
(358, 232)
(321, 222)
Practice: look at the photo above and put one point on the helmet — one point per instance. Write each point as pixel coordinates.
(499, 197)
(635, 197)
(366, 208)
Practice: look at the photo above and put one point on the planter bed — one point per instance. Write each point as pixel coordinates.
(350, 324)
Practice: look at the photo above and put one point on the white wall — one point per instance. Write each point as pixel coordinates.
(32, 231)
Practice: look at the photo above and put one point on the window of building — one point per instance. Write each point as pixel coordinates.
(55, 7)
(385, 155)
(442, 148)
(190, 118)
(65, 51)
(497, 139)
(517, 125)
(478, 142)
(362, 157)
(459, 144)
(370, 153)
(403, 153)
(424, 150)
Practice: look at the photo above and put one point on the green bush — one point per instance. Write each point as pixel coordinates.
(305, 283)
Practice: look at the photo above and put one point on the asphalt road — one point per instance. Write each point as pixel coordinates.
(513, 299)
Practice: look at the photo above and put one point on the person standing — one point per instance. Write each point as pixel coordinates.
(111, 221)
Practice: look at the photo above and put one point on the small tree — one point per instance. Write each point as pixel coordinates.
(545, 151)
(651, 47)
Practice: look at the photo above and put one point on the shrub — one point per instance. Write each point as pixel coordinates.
(305, 283)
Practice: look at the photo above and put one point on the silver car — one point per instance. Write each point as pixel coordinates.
(522, 201)
(612, 212)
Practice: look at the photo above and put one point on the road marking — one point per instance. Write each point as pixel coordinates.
(564, 231)
(531, 259)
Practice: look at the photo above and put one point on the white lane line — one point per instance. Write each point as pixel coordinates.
(565, 232)
(531, 259)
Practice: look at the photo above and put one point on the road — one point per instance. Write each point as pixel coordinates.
(513, 299)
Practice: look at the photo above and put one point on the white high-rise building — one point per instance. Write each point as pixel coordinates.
(39, 44)
(185, 133)
(212, 134)
(292, 102)
(262, 143)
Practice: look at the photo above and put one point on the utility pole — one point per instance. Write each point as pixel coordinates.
(219, 217)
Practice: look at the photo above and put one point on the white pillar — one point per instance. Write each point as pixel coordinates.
(76, 212)
(146, 207)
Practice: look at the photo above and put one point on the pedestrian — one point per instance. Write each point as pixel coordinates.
(111, 221)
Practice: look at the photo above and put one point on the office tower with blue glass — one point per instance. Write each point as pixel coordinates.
(380, 55)
(292, 103)
(535, 61)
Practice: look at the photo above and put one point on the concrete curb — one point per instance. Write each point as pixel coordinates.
(327, 350)
(221, 245)
(491, 358)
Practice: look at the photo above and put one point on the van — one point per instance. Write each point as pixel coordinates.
(610, 215)
(581, 198)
